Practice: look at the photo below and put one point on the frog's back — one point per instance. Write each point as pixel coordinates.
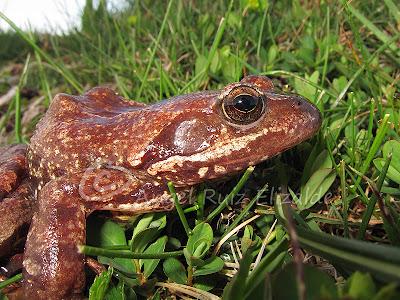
(78, 131)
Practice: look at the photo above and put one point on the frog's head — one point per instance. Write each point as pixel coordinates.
(212, 134)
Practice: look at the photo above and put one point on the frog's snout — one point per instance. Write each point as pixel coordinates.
(310, 111)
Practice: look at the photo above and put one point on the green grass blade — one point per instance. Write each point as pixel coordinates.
(362, 68)
(18, 116)
(18, 134)
(326, 54)
(262, 29)
(217, 40)
(153, 51)
(379, 138)
(344, 198)
(231, 195)
(372, 202)
(370, 124)
(375, 30)
(179, 209)
(393, 10)
(96, 251)
(43, 80)
(267, 264)
(201, 201)
(11, 280)
(246, 210)
(380, 260)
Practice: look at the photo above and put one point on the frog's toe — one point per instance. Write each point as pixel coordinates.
(13, 168)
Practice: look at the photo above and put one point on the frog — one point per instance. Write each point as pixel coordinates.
(100, 151)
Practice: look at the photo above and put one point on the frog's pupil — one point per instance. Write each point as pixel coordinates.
(245, 103)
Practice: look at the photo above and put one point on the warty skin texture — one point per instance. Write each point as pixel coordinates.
(101, 152)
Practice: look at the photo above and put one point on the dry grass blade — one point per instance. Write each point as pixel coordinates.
(188, 290)
(8, 96)
(264, 244)
(233, 232)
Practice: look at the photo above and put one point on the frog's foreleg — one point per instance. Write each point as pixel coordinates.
(53, 268)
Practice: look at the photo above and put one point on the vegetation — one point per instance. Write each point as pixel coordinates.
(345, 182)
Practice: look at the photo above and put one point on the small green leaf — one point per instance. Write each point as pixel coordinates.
(105, 233)
(99, 287)
(200, 240)
(382, 261)
(393, 147)
(393, 172)
(175, 270)
(196, 262)
(143, 238)
(231, 68)
(316, 187)
(304, 88)
(322, 161)
(339, 83)
(362, 138)
(309, 164)
(247, 238)
(122, 264)
(215, 63)
(142, 224)
(211, 265)
(188, 256)
(360, 286)
(273, 52)
(149, 265)
(205, 283)
(200, 65)
(306, 52)
(254, 4)
(147, 233)
(116, 292)
(200, 249)
(351, 132)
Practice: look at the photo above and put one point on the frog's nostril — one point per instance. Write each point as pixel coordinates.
(299, 103)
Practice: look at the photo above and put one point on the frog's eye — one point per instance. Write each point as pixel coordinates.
(243, 105)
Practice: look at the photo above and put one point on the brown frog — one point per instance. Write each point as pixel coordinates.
(101, 152)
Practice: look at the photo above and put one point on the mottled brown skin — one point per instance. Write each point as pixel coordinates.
(13, 168)
(101, 152)
(16, 211)
(16, 198)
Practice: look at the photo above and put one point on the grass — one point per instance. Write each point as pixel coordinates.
(342, 56)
